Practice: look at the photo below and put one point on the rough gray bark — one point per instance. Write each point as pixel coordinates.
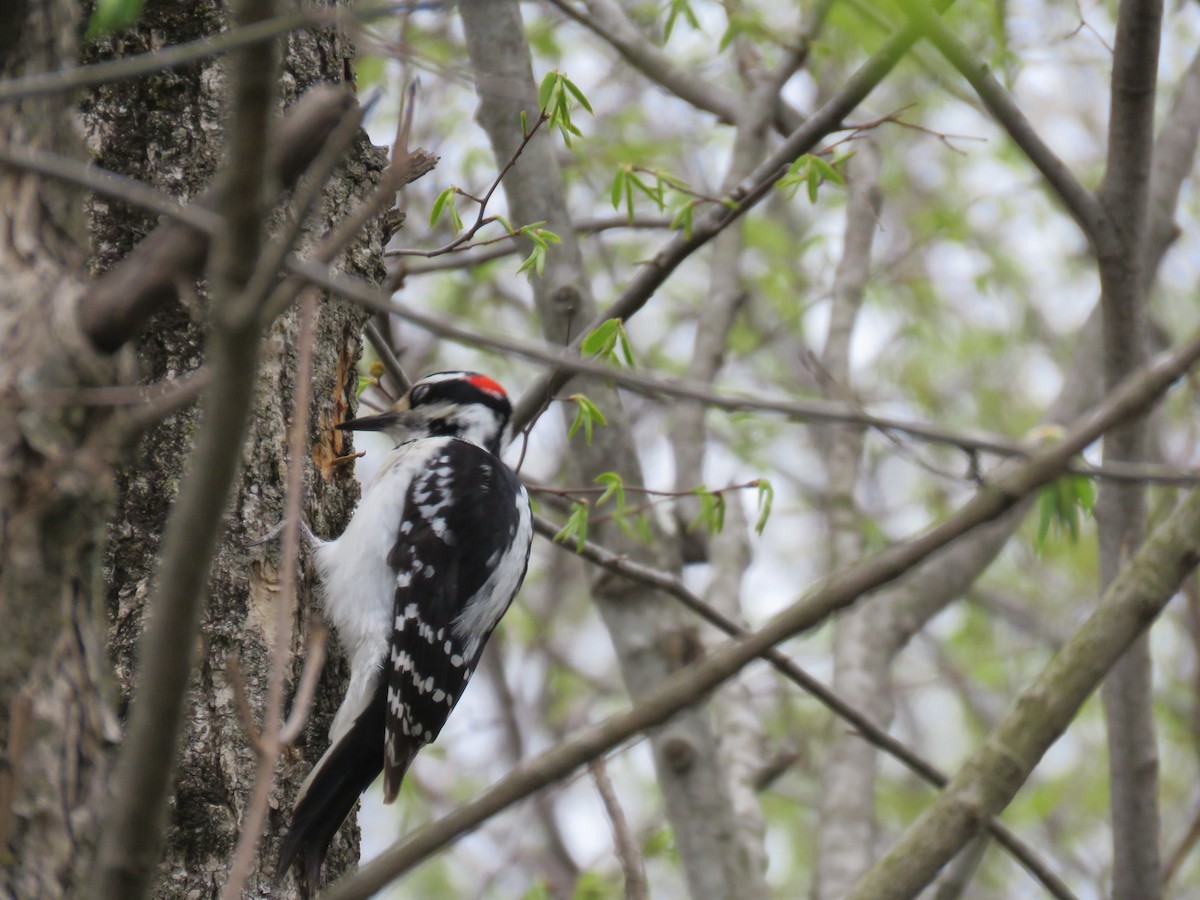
(650, 640)
(56, 719)
(164, 129)
(177, 150)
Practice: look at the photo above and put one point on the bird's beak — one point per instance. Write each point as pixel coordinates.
(398, 415)
(381, 422)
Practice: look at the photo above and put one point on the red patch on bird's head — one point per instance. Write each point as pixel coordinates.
(487, 384)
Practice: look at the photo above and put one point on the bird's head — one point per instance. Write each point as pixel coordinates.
(463, 405)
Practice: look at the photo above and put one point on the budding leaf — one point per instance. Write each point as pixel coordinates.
(587, 414)
(766, 496)
(576, 526)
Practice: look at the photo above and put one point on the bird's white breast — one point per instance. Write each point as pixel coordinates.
(357, 584)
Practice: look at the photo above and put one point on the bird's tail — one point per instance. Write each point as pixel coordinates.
(330, 792)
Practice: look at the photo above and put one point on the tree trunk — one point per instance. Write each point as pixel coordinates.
(56, 722)
(57, 576)
(651, 640)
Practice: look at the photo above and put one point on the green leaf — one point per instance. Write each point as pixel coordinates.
(1085, 493)
(576, 526)
(1060, 505)
(542, 239)
(555, 95)
(577, 93)
(592, 886)
(1045, 516)
(766, 497)
(587, 414)
(654, 193)
(369, 70)
(614, 486)
(626, 347)
(534, 263)
(712, 510)
(641, 526)
(811, 171)
(546, 89)
(602, 340)
(113, 15)
(606, 340)
(364, 382)
(446, 196)
(618, 188)
(679, 8)
(826, 171)
(659, 843)
(684, 218)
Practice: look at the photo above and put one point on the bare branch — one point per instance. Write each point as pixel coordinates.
(819, 411)
(992, 776)
(110, 184)
(1084, 208)
(119, 303)
(1121, 509)
(464, 260)
(608, 21)
(270, 743)
(626, 842)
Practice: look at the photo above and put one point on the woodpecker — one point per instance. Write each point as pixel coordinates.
(430, 561)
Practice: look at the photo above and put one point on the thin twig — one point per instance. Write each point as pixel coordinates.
(241, 699)
(162, 59)
(387, 357)
(626, 842)
(270, 744)
(466, 260)
(109, 184)
(461, 240)
(314, 659)
(804, 410)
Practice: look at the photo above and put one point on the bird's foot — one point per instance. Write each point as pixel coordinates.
(277, 529)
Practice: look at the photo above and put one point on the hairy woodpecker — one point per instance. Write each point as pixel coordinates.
(429, 563)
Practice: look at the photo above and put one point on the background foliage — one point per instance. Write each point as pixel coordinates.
(978, 290)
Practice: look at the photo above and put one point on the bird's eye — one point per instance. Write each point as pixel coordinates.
(419, 394)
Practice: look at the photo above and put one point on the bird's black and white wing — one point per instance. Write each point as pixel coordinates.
(459, 558)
